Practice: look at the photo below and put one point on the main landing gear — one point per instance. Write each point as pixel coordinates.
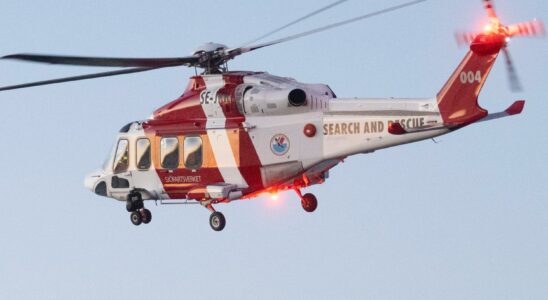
(139, 214)
(217, 220)
(308, 201)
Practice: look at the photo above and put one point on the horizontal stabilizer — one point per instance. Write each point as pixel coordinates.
(515, 109)
(397, 129)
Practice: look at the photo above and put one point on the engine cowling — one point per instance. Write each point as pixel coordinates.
(266, 100)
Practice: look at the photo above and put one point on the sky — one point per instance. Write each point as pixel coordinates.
(463, 218)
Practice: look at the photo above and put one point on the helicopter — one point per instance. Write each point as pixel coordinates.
(235, 135)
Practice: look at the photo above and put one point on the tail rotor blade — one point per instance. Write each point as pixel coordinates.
(515, 85)
(465, 38)
(531, 28)
(490, 9)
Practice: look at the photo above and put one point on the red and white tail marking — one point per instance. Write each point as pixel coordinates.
(458, 99)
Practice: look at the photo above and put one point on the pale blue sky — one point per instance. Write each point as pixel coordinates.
(466, 218)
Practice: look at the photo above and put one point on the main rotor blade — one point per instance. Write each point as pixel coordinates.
(515, 85)
(104, 61)
(295, 22)
(231, 53)
(82, 77)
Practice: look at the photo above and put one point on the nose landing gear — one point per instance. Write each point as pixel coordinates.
(143, 216)
(139, 214)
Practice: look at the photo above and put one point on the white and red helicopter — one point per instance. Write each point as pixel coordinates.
(236, 135)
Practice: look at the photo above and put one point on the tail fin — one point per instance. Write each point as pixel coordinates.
(458, 99)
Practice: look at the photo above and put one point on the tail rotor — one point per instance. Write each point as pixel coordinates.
(513, 78)
(495, 28)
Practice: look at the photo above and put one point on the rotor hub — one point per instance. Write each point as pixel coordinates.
(488, 43)
(209, 47)
(211, 57)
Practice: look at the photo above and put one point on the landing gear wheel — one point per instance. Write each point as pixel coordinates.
(309, 202)
(217, 221)
(136, 218)
(146, 216)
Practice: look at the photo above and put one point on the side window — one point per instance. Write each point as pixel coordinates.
(143, 154)
(121, 158)
(192, 153)
(169, 152)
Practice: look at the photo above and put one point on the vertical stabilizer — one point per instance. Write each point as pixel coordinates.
(458, 99)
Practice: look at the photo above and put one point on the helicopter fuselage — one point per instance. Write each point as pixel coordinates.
(234, 135)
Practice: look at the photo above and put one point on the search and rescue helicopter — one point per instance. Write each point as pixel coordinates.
(235, 135)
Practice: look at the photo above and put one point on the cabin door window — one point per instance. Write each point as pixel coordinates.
(193, 152)
(169, 152)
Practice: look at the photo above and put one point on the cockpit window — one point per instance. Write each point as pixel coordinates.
(121, 158)
(193, 152)
(107, 163)
(169, 152)
(143, 154)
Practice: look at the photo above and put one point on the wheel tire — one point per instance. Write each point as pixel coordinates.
(217, 221)
(146, 216)
(309, 202)
(136, 218)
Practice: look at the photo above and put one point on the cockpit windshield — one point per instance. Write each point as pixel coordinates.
(107, 163)
(121, 157)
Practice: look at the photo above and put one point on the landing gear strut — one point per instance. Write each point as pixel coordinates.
(139, 214)
(217, 220)
(308, 201)
(134, 202)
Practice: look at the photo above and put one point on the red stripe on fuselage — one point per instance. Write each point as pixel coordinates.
(250, 164)
(185, 116)
(181, 117)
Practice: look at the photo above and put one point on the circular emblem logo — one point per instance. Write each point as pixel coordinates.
(279, 144)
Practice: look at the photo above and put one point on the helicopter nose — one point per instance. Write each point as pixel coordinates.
(91, 180)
